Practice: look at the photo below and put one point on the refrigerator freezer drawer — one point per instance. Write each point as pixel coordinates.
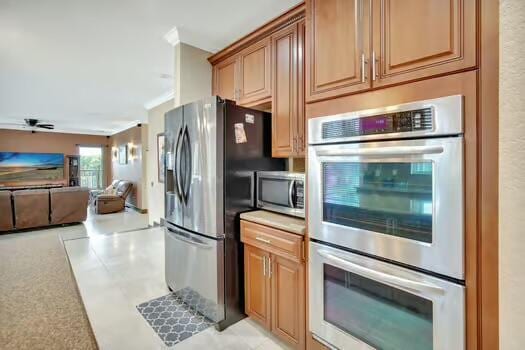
(195, 271)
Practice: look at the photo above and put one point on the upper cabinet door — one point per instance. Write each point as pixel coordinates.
(415, 39)
(224, 79)
(255, 73)
(337, 47)
(285, 86)
(301, 112)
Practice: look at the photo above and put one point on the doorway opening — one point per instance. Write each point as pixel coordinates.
(92, 167)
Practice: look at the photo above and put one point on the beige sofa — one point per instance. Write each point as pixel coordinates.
(6, 211)
(68, 205)
(42, 207)
(113, 202)
(31, 208)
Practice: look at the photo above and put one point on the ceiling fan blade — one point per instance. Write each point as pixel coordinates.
(46, 126)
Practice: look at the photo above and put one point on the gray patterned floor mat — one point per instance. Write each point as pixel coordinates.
(172, 319)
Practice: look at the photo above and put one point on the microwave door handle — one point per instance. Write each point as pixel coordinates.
(382, 151)
(252, 189)
(290, 194)
(418, 287)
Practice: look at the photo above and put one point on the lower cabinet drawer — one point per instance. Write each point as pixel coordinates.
(275, 241)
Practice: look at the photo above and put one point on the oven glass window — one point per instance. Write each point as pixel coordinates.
(389, 198)
(382, 316)
(274, 191)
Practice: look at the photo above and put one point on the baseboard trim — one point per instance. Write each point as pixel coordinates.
(131, 206)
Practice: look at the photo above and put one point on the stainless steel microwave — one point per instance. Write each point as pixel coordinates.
(281, 191)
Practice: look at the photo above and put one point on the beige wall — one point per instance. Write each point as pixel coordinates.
(512, 175)
(155, 189)
(192, 74)
(134, 170)
(47, 142)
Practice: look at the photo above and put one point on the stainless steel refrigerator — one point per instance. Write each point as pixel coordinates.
(213, 148)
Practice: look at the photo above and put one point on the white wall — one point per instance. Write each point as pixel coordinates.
(155, 189)
(192, 74)
(512, 175)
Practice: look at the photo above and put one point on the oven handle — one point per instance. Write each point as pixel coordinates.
(415, 286)
(382, 151)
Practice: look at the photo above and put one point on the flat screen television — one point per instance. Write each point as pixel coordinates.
(28, 167)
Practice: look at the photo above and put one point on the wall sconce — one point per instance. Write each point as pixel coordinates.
(132, 150)
(114, 152)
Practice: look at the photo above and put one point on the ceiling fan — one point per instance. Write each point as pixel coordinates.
(33, 124)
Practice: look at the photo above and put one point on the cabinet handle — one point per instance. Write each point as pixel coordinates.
(363, 69)
(374, 62)
(270, 267)
(264, 265)
(267, 241)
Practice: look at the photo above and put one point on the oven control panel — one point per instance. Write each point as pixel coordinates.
(406, 121)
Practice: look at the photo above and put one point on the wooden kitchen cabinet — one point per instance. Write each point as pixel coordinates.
(285, 89)
(225, 79)
(288, 92)
(255, 73)
(337, 48)
(288, 298)
(266, 70)
(356, 45)
(257, 284)
(275, 289)
(414, 39)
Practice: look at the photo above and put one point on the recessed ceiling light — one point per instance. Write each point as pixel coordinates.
(165, 76)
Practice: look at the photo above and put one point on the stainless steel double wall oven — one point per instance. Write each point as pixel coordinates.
(386, 218)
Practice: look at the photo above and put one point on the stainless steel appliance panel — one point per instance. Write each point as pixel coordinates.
(446, 119)
(362, 303)
(201, 168)
(174, 122)
(434, 235)
(195, 270)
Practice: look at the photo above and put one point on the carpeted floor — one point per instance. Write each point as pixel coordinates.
(40, 307)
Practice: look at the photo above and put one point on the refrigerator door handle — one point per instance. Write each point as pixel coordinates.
(178, 156)
(186, 145)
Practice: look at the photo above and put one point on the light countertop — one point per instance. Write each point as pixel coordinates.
(278, 221)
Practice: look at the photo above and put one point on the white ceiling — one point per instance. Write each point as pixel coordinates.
(90, 66)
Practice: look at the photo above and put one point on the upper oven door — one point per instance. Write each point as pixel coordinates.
(362, 303)
(400, 200)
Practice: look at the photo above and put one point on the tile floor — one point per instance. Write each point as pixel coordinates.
(115, 271)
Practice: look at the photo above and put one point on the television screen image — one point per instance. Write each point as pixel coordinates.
(23, 167)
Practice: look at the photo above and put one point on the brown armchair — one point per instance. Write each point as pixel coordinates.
(111, 203)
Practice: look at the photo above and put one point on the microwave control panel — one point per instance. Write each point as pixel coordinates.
(406, 121)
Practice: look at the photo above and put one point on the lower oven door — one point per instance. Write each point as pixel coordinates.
(400, 200)
(361, 303)
(195, 271)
